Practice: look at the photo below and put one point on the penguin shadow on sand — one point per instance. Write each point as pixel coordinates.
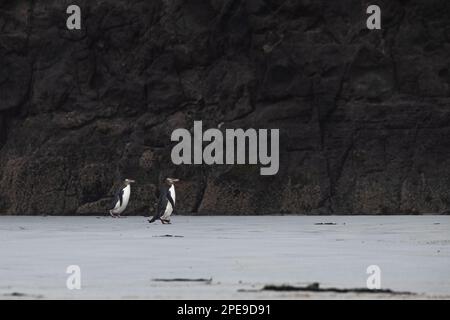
(166, 202)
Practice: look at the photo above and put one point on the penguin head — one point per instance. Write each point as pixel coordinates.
(171, 181)
(129, 181)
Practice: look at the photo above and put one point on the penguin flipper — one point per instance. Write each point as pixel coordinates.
(121, 196)
(169, 197)
(118, 198)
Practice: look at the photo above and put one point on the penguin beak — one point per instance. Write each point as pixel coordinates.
(131, 181)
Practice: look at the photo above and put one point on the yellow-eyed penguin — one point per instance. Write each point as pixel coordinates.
(121, 198)
(166, 202)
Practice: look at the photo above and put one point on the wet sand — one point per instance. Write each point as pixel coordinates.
(230, 257)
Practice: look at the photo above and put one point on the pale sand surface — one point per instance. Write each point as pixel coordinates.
(120, 258)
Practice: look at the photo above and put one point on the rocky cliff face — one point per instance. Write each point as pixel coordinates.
(364, 116)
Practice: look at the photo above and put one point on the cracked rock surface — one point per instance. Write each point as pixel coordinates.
(364, 116)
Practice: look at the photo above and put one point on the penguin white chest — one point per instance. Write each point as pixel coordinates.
(169, 209)
(118, 209)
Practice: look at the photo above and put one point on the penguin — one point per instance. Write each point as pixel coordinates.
(121, 199)
(166, 202)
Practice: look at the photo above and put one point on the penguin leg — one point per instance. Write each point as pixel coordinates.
(162, 221)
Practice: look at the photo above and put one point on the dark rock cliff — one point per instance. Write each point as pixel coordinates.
(364, 116)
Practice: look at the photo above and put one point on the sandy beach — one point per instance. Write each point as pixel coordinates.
(224, 257)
